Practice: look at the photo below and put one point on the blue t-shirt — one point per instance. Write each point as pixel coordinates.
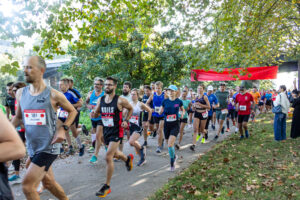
(212, 100)
(268, 96)
(157, 103)
(93, 103)
(172, 107)
(234, 96)
(72, 98)
(76, 92)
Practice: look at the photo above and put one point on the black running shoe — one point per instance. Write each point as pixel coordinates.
(84, 130)
(145, 144)
(105, 190)
(71, 150)
(177, 146)
(81, 150)
(216, 137)
(154, 134)
(192, 147)
(129, 162)
(206, 136)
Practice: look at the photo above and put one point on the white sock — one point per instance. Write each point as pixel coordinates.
(78, 142)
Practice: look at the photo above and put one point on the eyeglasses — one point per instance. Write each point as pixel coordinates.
(184, 91)
(109, 85)
(97, 84)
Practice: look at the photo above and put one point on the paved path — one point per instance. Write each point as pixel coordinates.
(81, 180)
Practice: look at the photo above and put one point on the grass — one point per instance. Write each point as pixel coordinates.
(85, 119)
(254, 168)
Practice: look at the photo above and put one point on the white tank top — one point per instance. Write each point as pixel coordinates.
(135, 117)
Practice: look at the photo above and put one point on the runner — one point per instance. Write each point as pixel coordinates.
(147, 125)
(262, 101)
(214, 116)
(12, 148)
(97, 126)
(62, 116)
(21, 131)
(170, 108)
(157, 99)
(135, 128)
(237, 91)
(243, 104)
(37, 105)
(221, 110)
(268, 100)
(9, 101)
(187, 104)
(190, 112)
(152, 85)
(110, 107)
(231, 111)
(213, 101)
(200, 107)
(126, 95)
(256, 96)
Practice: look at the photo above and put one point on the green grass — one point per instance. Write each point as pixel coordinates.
(85, 119)
(254, 168)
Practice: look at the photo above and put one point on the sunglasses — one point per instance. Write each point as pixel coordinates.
(108, 85)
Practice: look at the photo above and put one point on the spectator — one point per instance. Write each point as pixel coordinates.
(12, 148)
(295, 129)
(280, 118)
(10, 100)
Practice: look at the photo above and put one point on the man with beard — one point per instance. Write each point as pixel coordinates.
(110, 108)
(127, 95)
(37, 107)
(9, 100)
(97, 128)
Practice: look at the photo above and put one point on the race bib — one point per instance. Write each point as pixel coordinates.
(243, 108)
(171, 118)
(35, 117)
(157, 109)
(108, 121)
(205, 114)
(224, 111)
(63, 114)
(134, 120)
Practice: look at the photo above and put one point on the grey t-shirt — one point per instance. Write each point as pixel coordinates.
(222, 98)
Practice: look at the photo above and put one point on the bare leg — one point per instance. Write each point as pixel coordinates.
(221, 122)
(160, 133)
(99, 135)
(182, 125)
(111, 151)
(202, 127)
(196, 130)
(133, 142)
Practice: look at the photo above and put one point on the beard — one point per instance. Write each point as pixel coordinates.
(28, 79)
(108, 91)
(125, 93)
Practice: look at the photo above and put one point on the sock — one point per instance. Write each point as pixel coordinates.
(142, 154)
(171, 152)
(79, 142)
(70, 147)
(227, 123)
(246, 132)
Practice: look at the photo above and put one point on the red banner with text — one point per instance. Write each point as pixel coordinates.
(252, 73)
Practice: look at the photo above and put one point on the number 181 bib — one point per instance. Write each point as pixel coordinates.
(35, 117)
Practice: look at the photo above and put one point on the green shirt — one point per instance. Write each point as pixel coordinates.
(3, 108)
(185, 106)
(222, 98)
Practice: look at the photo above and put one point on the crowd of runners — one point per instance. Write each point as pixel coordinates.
(44, 116)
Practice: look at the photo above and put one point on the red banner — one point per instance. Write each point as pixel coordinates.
(252, 73)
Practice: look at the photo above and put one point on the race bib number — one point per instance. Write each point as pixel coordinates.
(134, 120)
(243, 108)
(63, 114)
(35, 117)
(205, 114)
(224, 111)
(108, 121)
(157, 109)
(171, 118)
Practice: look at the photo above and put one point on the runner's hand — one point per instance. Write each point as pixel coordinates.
(59, 136)
(124, 124)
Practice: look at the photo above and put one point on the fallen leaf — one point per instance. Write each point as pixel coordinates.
(226, 160)
(197, 193)
(179, 196)
(230, 193)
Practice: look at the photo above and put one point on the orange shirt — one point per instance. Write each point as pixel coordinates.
(256, 96)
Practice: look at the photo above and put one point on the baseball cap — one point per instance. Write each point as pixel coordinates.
(211, 88)
(172, 87)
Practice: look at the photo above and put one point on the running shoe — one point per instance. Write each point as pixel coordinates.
(61, 150)
(198, 137)
(172, 168)
(91, 149)
(236, 129)
(192, 147)
(158, 150)
(206, 135)
(145, 144)
(84, 130)
(223, 130)
(94, 159)
(15, 179)
(227, 130)
(105, 190)
(141, 162)
(213, 127)
(81, 150)
(216, 137)
(242, 137)
(177, 146)
(246, 134)
(203, 140)
(70, 151)
(154, 134)
(129, 162)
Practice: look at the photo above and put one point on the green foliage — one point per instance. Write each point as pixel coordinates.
(128, 60)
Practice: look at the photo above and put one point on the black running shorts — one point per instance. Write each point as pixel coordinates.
(243, 118)
(96, 123)
(183, 120)
(199, 116)
(43, 159)
(171, 128)
(157, 119)
(135, 128)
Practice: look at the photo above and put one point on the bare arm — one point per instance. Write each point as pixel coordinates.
(183, 111)
(149, 100)
(207, 106)
(78, 104)
(148, 109)
(12, 148)
(87, 100)
(125, 104)
(17, 120)
(162, 109)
